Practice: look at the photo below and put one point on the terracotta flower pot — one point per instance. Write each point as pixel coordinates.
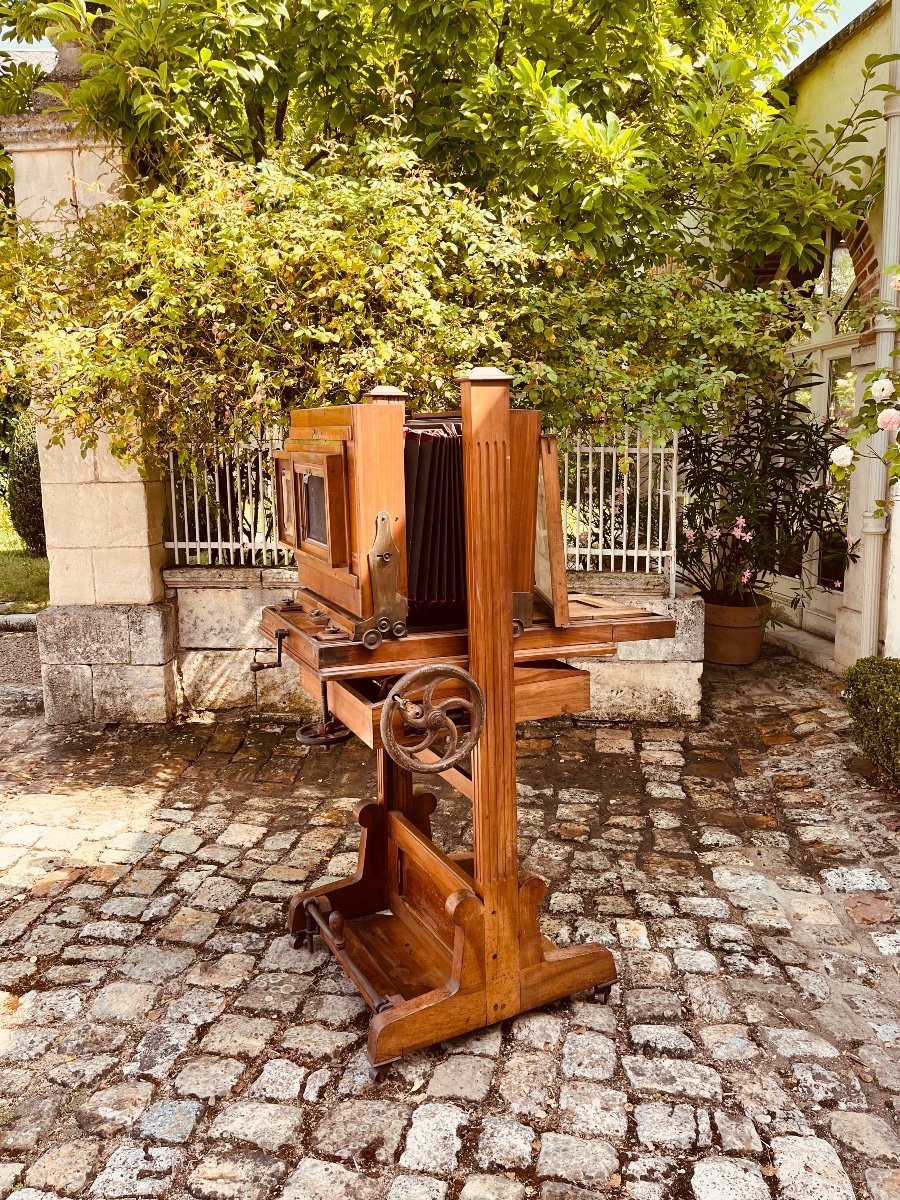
(734, 633)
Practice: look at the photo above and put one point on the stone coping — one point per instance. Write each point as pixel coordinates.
(229, 577)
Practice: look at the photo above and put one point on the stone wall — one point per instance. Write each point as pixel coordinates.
(657, 681)
(217, 612)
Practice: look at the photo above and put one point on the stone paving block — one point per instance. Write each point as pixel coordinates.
(588, 1055)
(463, 1077)
(591, 1110)
(882, 1184)
(65, 1169)
(28, 1122)
(433, 1142)
(317, 1180)
(317, 1042)
(150, 964)
(266, 1126)
(855, 879)
(236, 1175)
(158, 1050)
(505, 1143)
(234, 1034)
(191, 925)
(808, 1168)
(337, 1012)
(661, 1039)
(525, 1082)
(576, 1159)
(672, 1126)
(796, 1043)
(727, 1043)
(869, 1135)
(136, 1172)
(10, 1174)
(737, 1133)
(361, 1129)
(170, 1121)
(491, 1187)
(673, 1077)
(417, 1187)
(114, 1109)
(275, 993)
(715, 1178)
(228, 972)
(208, 1077)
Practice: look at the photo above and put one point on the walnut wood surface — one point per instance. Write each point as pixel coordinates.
(439, 945)
(593, 636)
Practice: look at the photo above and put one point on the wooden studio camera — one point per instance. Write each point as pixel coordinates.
(432, 614)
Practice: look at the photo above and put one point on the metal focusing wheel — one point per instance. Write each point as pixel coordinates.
(430, 719)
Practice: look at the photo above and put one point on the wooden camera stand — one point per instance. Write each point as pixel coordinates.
(441, 944)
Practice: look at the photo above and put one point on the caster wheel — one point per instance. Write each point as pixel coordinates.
(377, 1074)
(372, 639)
(299, 941)
(399, 629)
(384, 625)
(518, 628)
(601, 994)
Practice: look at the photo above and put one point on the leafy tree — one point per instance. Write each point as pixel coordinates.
(639, 130)
(184, 320)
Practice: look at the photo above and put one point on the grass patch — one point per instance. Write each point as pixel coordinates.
(24, 580)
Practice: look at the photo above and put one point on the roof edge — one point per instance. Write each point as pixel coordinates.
(866, 17)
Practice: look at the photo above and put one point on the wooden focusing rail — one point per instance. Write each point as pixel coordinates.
(441, 944)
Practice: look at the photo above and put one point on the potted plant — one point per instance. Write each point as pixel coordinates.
(755, 497)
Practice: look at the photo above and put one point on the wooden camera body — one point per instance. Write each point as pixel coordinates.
(432, 613)
(371, 503)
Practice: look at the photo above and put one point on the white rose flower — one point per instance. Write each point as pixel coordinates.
(842, 456)
(883, 389)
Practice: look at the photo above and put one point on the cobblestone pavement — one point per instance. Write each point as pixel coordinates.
(161, 1037)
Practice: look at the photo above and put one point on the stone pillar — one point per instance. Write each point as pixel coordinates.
(108, 638)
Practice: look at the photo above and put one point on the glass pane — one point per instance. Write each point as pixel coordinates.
(841, 392)
(316, 524)
(832, 549)
(842, 274)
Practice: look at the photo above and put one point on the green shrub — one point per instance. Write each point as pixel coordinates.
(186, 320)
(872, 692)
(25, 508)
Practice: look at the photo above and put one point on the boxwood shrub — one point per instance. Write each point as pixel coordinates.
(872, 692)
(24, 489)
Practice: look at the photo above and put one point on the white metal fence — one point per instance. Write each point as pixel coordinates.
(619, 508)
(620, 505)
(227, 517)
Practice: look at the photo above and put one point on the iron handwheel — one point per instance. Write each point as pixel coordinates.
(432, 719)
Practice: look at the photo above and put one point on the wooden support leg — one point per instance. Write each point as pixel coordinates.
(359, 894)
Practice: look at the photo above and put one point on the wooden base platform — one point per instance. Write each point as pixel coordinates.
(409, 930)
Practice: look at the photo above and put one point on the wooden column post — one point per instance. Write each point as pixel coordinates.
(486, 473)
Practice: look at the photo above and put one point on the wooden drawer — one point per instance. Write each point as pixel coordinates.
(543, 689)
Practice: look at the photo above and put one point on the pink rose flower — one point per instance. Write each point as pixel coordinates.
(889, 418)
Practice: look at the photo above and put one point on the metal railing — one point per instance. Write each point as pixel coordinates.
(227, 517)
(620, 505)
(615, 520)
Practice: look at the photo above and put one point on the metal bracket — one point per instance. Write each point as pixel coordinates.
(389, 607)
(523, 612)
